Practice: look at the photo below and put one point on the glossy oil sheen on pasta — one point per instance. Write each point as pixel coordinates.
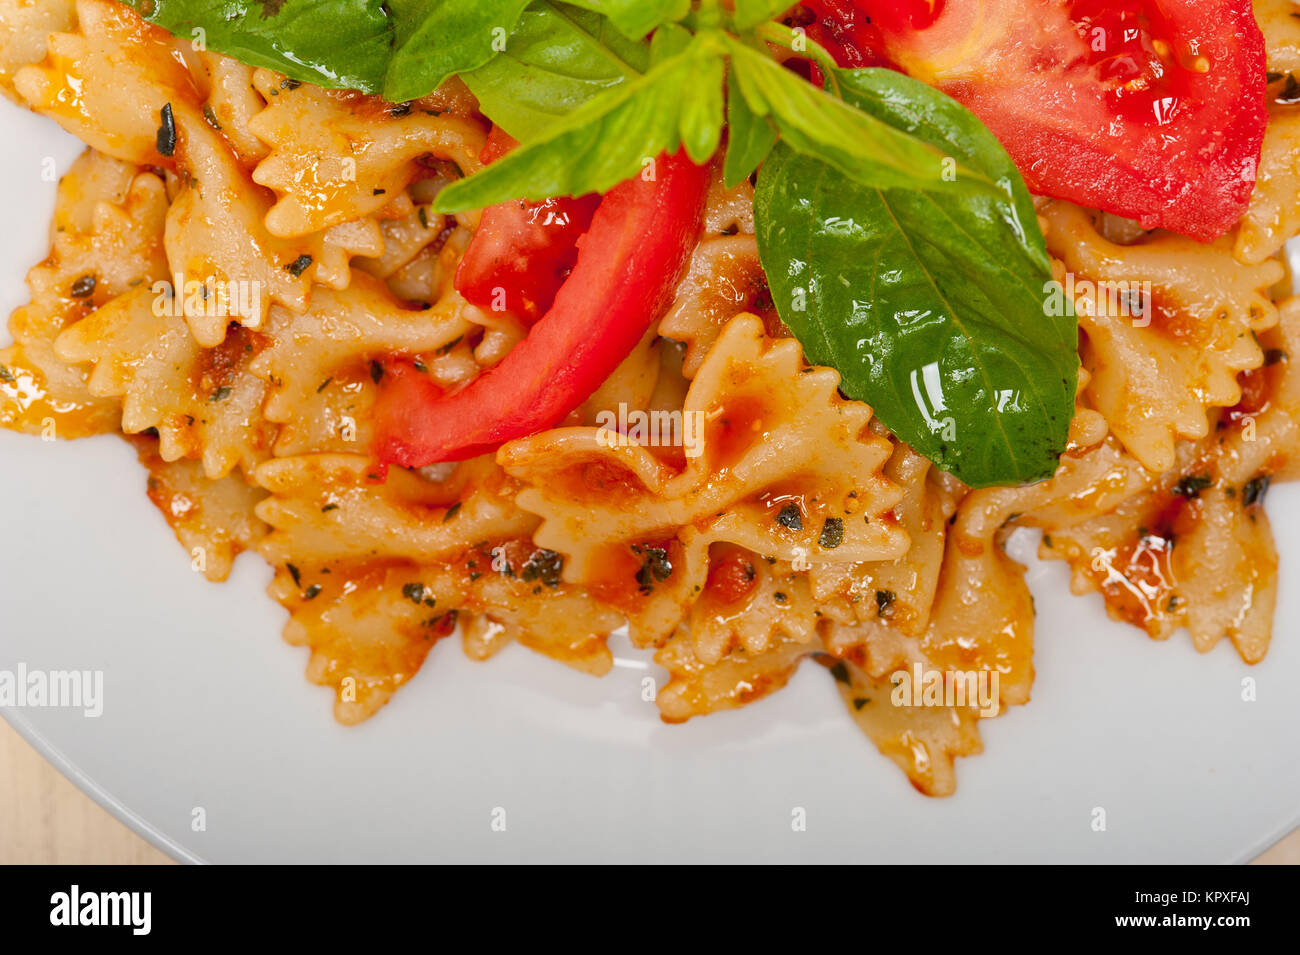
(309, 211)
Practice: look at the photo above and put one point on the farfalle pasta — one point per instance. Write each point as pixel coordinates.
(241, 261)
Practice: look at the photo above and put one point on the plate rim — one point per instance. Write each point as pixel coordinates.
(98, 793)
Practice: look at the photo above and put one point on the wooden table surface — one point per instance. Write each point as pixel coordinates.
(46, 819)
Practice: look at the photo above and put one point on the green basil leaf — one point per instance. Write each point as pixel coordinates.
(750, 13)
(435, 39)
(557, 58)
(668, 41)
(701, 109)
(930, 305)
(636, 18)
(333, 43)
(858, 144)
(611, 137)
(749, 138)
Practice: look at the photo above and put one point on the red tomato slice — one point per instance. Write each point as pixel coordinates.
(628, 265)
(1151, 109)
(523, 251)
(845, 29)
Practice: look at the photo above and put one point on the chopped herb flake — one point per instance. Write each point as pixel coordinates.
(832, 533)
(790, 517)
(1290, 93)
(1254, 491)
(165, 141)
(1192, 485)
(443, 624)
(544, 565)
(884, 601)
(655, 567)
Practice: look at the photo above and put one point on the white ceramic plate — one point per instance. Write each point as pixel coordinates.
(205, 708)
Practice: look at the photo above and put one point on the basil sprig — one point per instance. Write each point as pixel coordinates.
(336, 43)
(434, 40)
(613, 136)
(899, 240)
(930, 304)
(636, 18)
(556, 59)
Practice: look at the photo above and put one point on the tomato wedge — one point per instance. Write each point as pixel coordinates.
(629, 263)
(845, 29)
(1150, 109)
(522, 251)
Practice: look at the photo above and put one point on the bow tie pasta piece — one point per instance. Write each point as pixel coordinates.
(366, 638)
(982, 617)
(212, 519)
(1274, 212)
(724, 277)
(329, 507)
(24, 29)
(323, 365)
(420, 556)
(1281, 31)
(896, 595)
(750, 604)
(216, 237)
(1193, 547)
(785, 468)
(696, 688)
(418, 233)
(232, 102)
(1158, 363)
(337, 156)
(201, 401)
(369, 626)
(107, 82)
(923, 741)
(107, 242)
